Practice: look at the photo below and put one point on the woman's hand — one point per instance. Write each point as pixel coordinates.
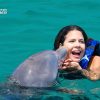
(69, 64)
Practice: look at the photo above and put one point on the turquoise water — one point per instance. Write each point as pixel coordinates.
(30, 26)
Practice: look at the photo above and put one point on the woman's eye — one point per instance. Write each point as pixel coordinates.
(71, 41)
(82, 42)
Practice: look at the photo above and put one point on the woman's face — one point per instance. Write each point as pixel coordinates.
(75, 45)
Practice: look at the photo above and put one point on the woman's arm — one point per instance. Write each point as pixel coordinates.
(94, 64)
(93, 70)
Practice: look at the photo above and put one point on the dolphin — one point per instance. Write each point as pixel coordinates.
(40, 69)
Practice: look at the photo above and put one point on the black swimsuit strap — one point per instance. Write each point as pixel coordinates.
(97, 50)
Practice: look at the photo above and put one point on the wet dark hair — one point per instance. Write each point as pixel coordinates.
(60, 38)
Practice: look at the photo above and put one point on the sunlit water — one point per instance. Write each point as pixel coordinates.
(30, 26)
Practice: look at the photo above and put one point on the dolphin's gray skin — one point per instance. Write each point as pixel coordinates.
(39, 70)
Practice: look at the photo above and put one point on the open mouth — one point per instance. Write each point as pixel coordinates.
(76, 53)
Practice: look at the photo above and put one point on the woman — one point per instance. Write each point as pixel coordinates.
(74, 39)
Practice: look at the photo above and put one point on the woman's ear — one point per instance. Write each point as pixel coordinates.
(60, 45)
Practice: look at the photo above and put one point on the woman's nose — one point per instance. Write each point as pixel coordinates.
(77, 44)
